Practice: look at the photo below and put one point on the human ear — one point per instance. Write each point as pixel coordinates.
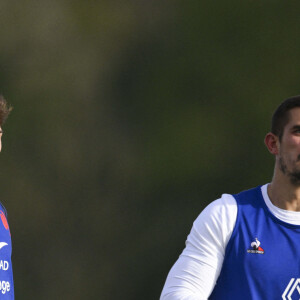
(272, 143)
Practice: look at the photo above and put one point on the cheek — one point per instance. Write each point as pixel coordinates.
(290, 144)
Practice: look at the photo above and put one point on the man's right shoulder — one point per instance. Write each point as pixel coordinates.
(216, 222)
(220, 208)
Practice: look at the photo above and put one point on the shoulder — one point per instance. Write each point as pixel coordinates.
(215, 223)
(220, 213)
(3, 209)
(223, 207)
(249, 195)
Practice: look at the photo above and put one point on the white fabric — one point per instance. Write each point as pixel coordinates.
(196, 271)
(288, 216)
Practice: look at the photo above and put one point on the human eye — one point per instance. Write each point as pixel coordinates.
(297, 131)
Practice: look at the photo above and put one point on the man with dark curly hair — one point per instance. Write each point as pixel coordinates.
(6, 274)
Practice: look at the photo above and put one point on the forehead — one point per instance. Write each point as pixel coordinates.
(294, 117)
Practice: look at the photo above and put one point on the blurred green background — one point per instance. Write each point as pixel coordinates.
(129, 118)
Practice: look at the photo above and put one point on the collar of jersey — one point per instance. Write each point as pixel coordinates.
(287, 217)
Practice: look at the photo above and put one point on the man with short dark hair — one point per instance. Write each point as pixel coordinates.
(246, 246)
(6, 274)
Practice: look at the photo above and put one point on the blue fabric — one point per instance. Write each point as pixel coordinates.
(269, 272)
(6, 273)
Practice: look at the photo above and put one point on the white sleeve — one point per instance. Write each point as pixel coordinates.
(196, 271)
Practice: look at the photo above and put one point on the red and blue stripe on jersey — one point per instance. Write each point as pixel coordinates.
(6, 273)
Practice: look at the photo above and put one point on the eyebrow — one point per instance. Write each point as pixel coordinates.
(296, 127)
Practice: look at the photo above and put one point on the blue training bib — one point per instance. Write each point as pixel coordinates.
(262, 258)
(6, 273)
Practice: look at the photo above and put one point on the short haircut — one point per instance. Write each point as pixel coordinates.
(281, 115)
(5, 109)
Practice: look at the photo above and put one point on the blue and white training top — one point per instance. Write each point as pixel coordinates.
(262, 258)
(240, 247)
(6, 273)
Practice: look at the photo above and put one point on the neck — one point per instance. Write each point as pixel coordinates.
(283, 193)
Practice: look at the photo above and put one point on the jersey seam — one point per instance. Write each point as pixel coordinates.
(230, 241)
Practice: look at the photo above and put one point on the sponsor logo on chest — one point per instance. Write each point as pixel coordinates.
(4, 265)
(4, 286)
(256, 248)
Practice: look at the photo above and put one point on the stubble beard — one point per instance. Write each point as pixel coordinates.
(294, 175)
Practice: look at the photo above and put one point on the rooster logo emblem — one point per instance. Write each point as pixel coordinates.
(255, 247)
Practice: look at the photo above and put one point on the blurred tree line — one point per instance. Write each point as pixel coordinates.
(129, 118)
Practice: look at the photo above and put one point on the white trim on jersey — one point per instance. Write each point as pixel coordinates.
(196, 271)
(288, 216)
